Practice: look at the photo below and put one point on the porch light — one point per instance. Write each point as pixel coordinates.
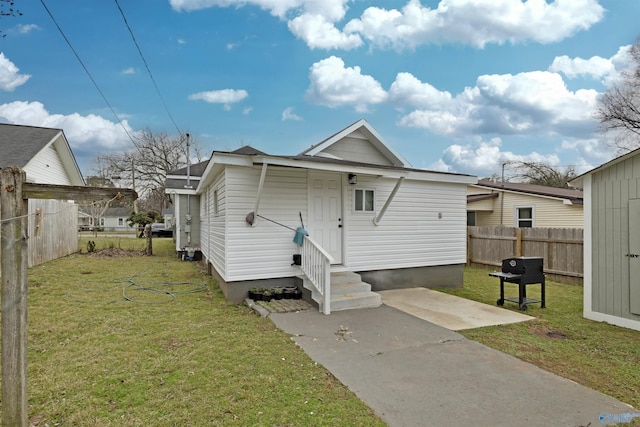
(353, 178)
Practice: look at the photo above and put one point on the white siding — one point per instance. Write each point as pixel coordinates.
(264, 250)
(425, 225)
(214, 226)
(46, 168)
(411, 233)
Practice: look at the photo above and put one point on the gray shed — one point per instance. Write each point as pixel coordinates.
(612, 241)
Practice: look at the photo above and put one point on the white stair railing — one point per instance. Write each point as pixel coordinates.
(316, 265)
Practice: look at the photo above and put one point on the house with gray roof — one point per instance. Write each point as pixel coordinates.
(43, 153)
(343, 219)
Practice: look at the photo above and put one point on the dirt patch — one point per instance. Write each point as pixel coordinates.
(116, 253)
(544, 331)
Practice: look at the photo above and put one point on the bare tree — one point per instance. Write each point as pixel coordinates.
(146, 165)
(543, 174)
(7, 8)
(619, 107)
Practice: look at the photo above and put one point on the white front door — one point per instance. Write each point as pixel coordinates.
(325, 212)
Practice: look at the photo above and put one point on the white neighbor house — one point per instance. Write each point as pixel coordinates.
(365, 208)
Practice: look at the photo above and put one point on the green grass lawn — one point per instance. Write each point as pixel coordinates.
(120, 339)
(598, 355)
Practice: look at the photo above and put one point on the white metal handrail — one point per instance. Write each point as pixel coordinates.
(316, 265)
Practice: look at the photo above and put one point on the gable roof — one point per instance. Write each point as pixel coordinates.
(574, 196)
(363, 127)
(20, 144)
(577, 181)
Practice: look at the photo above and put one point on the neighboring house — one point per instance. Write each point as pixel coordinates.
(365, 208)
(612, 241)
(46, 158)
(112, 219)
(523, 205)
(43, 153)
(180, 185)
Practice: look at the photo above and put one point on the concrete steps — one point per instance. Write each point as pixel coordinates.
(348, 292)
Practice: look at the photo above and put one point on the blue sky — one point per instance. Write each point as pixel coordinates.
(452, 85)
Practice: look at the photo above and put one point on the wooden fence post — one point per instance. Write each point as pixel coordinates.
(518, 242)
(13, 243)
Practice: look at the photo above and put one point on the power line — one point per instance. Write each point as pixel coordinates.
(87, 71)
(135, 42)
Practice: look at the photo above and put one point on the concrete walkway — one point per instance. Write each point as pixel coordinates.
(414, 373)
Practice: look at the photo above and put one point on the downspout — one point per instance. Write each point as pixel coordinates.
(187, 228)
(263, 174)
(377, 219)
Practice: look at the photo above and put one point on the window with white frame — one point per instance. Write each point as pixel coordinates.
(363, 200)
(120, 222)
(524, 217)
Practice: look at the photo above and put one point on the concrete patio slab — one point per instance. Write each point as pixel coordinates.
(449, 311)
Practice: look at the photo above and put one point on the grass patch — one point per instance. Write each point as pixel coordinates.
(121, 339)
(597, 355)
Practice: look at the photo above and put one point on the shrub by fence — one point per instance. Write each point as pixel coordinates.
(561, 248)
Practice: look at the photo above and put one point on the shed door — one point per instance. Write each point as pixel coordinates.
(325, 219)
(634, 256)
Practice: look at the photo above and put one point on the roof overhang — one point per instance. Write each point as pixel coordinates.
(223, 159)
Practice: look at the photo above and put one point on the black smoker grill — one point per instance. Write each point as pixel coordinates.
(522, 271)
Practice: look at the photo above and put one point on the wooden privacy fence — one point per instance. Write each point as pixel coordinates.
(561, 248)
(53, 230)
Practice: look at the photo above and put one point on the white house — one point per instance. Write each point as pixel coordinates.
(43, 153)
(612, 241)
(366, 211)
(45, 156)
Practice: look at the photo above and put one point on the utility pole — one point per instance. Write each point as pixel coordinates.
(133, 185)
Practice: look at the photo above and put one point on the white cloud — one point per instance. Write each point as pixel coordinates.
(334, 85)
(587, 153)
(275, 7)
(408, 90)
(607, 70)
(320, 33)
(472, 22)
(26, 29)
(86, 134)
(10, 78)
(535, 102)
(247, 110)
(224, 96)
(129, 70)
(475, 22)
(288, 114)
(484, 158)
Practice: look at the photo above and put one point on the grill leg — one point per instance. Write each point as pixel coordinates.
(500, 302)
(542, 293)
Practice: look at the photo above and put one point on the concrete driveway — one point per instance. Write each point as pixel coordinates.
(412, 372)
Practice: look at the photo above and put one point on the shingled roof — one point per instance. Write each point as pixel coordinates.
(19, 144)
